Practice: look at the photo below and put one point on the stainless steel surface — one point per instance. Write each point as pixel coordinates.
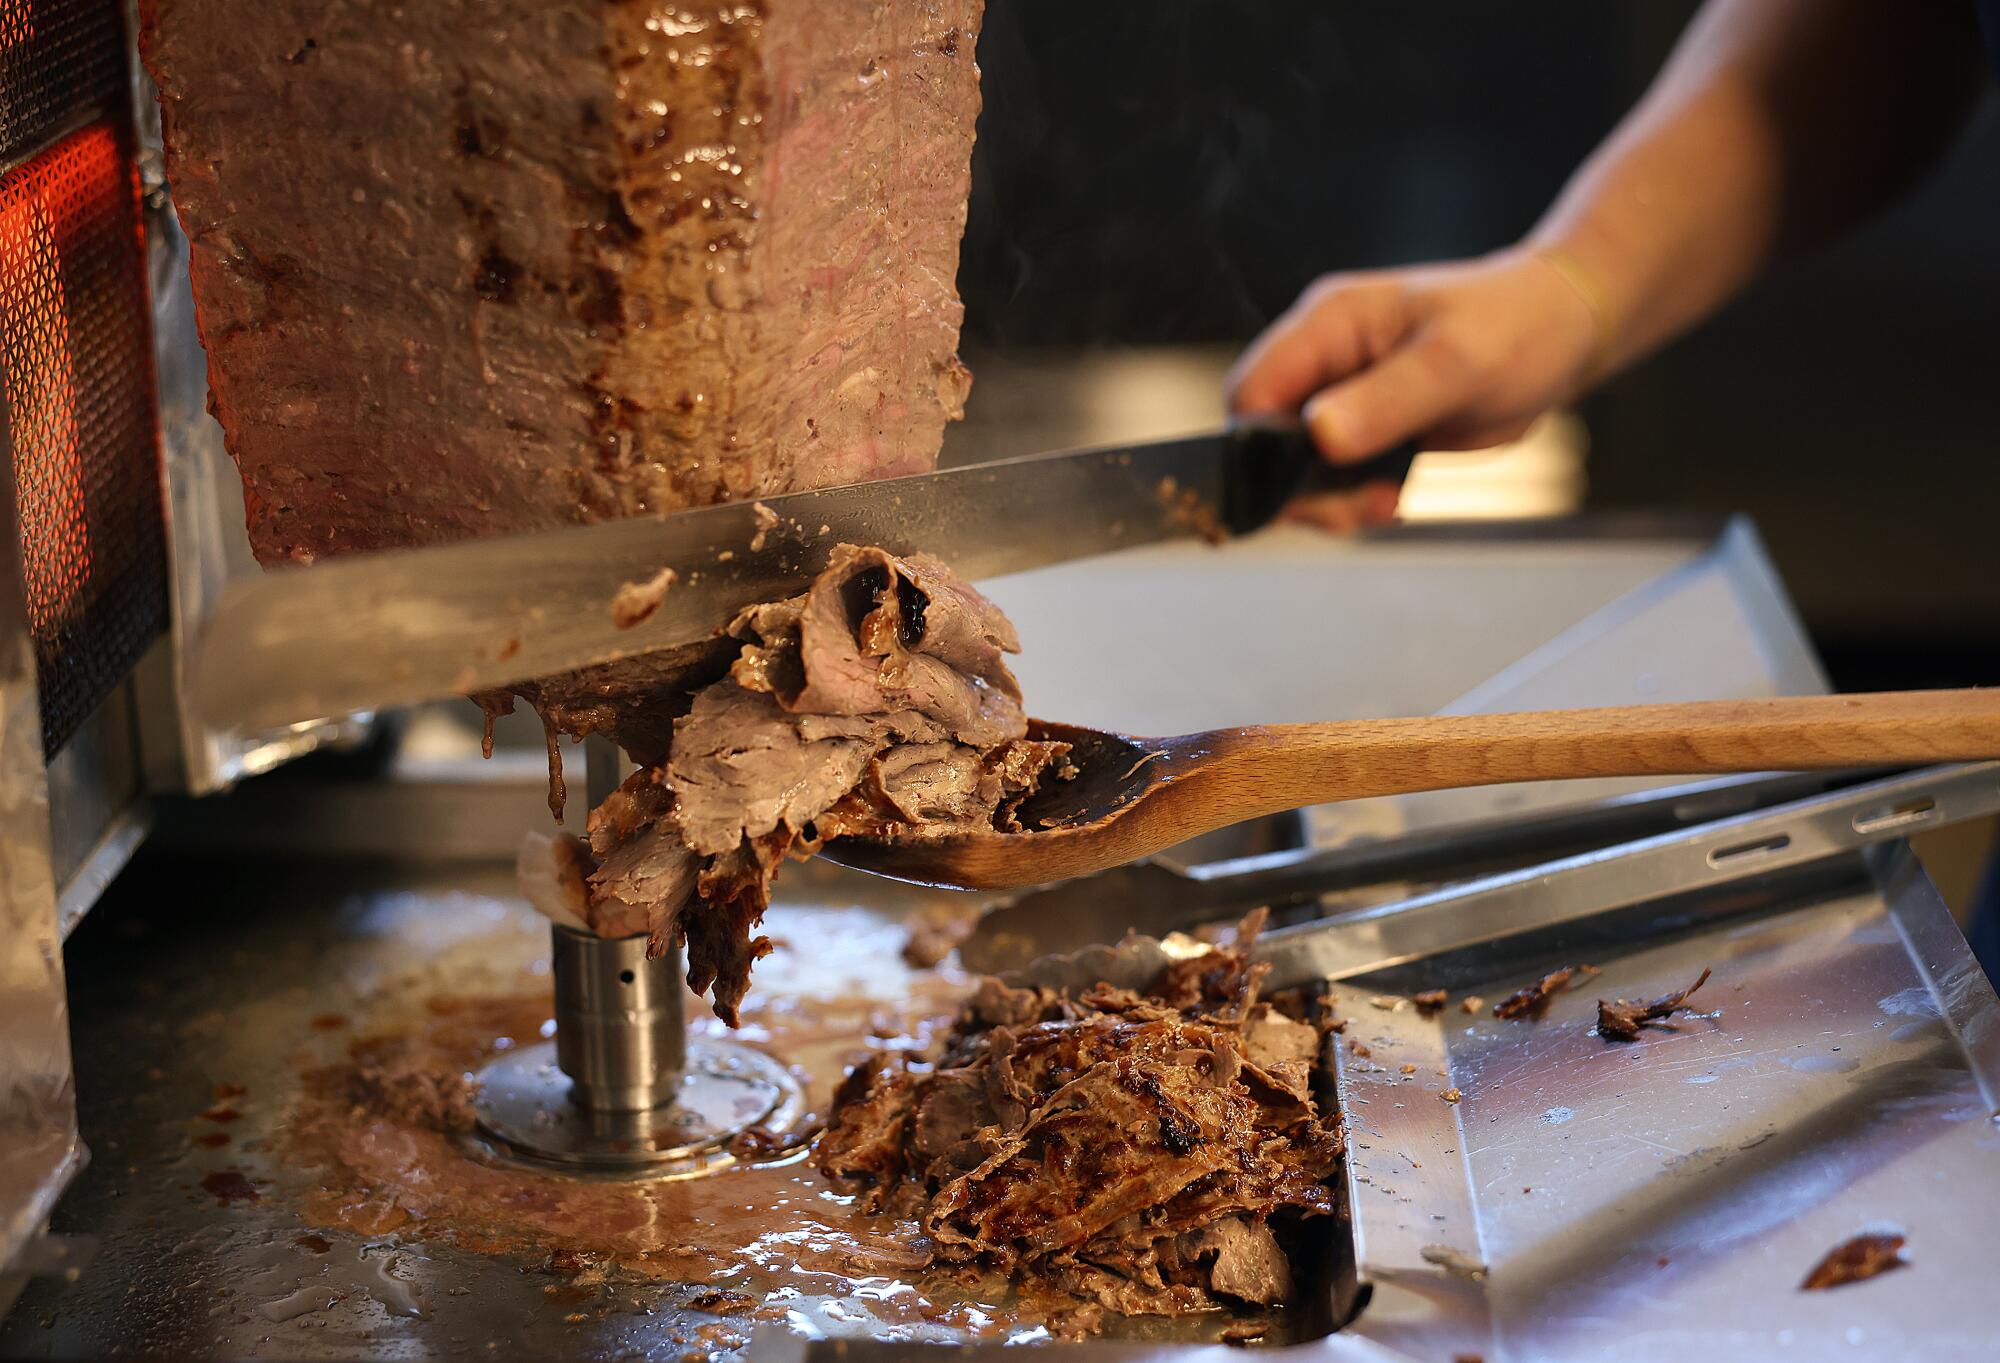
(98, 809)
(1157, 897)
(1738, 1147)
(171, 1004)
(1563, 893)
(621, 1034)
(1714, 626)
(40, 1150)
(367, 631)
(1702, 860)
(1290, 626)
(1390, 629)
(530, 1108)
(207, 544)
(1586, 1199)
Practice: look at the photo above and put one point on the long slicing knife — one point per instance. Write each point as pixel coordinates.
(372, 630)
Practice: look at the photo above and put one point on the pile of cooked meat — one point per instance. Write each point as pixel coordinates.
(1144, 1153)
(879, 702)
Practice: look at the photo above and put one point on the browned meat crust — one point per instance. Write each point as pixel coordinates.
(1141, 1152)
(1853, 1260)
(878, 702)
(477, 266)
(473, 267)
(1533, 1000)
(1620, 1019)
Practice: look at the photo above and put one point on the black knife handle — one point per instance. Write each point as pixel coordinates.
(1272, 461)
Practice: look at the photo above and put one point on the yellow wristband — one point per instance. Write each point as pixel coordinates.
(1580, 278)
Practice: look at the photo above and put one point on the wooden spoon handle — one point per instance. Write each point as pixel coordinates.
(1287, 766)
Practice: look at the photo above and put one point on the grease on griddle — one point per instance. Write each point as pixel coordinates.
(1621, 1019)
(1851, 1261)
(1531, 1001)
(720, 1301)
(766, 1231)
(229, 1185)
(756, 1144)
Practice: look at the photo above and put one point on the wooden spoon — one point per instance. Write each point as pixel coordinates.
(1133, 797)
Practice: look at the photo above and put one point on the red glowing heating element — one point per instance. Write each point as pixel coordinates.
(17, 25)
(80, 416)
(41, 377)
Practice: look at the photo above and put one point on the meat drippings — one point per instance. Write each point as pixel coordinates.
(373, 1135)
(1140, 1153)
(879, 703)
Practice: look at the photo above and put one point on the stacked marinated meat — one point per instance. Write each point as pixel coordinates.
(1142, 1152)
(879, 702)
(469, 267)
(472, 267)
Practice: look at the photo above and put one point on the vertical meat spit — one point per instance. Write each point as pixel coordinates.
(621, 1033)
(623, 1091)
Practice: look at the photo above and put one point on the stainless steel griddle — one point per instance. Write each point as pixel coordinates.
(1580, 1200)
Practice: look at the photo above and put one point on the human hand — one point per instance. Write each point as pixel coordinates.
(1459, 356)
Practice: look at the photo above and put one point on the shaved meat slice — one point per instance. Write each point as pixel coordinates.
(1141, 1152)
(550, 870)
(879, 702)
(1248, 1263)
(1853, 1260)
(1620, 1020)
(880, 1095)
(1532, 1000)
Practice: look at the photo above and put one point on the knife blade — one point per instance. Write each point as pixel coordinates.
(368, 631)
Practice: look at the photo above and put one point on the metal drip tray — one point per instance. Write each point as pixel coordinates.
(1516, 1189)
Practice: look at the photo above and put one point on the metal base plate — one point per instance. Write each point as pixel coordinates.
(526, 1115)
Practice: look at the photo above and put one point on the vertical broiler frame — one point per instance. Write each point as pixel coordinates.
(83, 563)
(123, 519)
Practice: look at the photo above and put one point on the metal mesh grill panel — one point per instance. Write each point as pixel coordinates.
(59, 60)
(76, 351)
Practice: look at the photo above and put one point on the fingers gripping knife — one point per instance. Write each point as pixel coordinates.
(623, 1091)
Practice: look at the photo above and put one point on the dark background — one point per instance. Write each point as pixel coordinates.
(1175, 171)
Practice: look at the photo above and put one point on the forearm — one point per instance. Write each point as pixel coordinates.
(1775, 124)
